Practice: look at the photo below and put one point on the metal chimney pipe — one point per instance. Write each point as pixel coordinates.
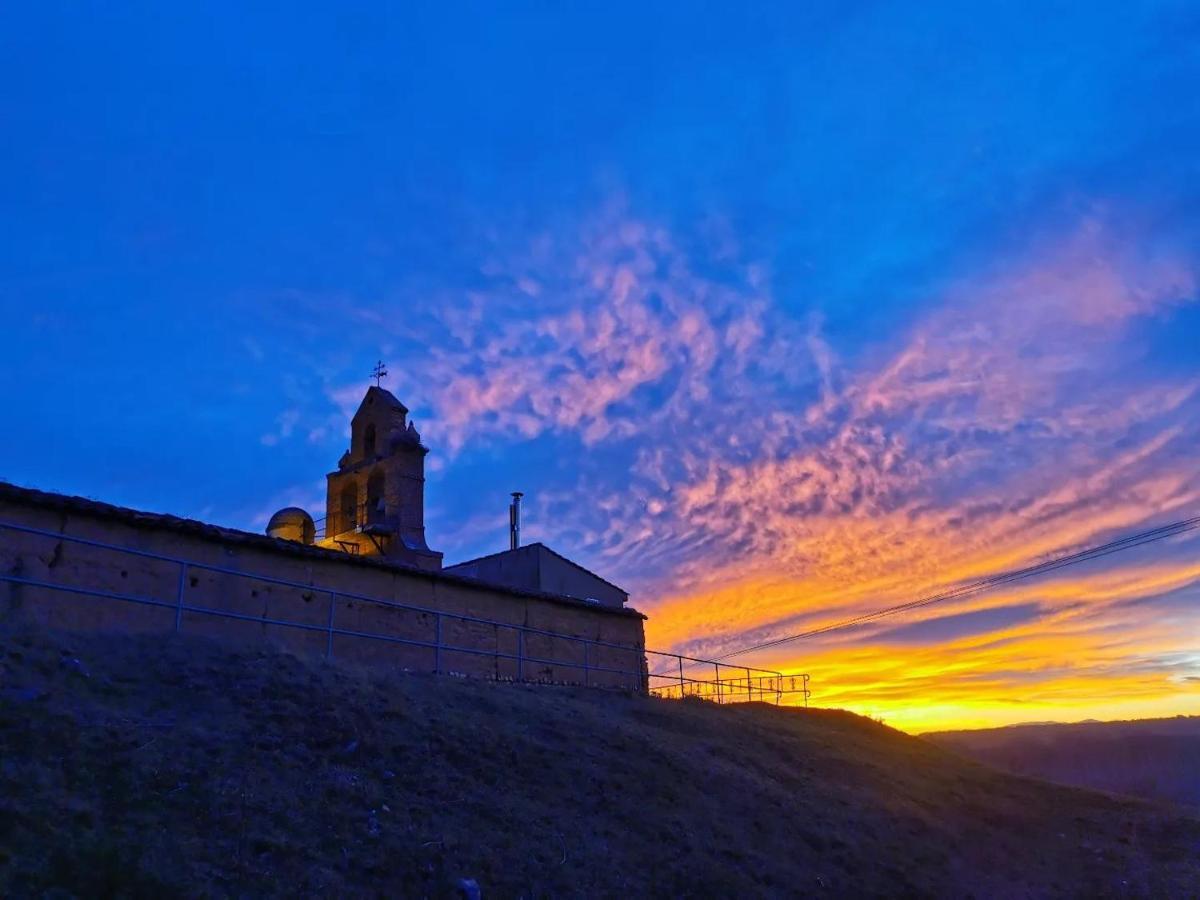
(514, 521)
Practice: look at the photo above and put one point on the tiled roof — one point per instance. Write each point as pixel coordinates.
(549, 550)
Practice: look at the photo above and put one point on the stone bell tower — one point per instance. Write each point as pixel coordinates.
(375, 504)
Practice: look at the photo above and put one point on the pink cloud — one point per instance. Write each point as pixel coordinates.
(771, 484)
(621, 312)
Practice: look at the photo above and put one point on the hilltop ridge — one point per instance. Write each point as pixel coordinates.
(151, 766)
(1150, 758)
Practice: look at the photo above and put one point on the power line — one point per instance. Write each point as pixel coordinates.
(1126, 543)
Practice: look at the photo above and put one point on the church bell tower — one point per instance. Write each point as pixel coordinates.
(375, 502)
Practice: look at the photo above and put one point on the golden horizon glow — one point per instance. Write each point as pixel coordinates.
(1056, 666)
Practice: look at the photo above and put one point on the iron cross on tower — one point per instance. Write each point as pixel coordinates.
(379, 373)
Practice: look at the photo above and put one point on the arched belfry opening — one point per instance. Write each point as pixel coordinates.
(348, 507)
(369, 441)
(376, 512)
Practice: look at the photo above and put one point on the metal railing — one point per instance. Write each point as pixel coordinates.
(347, 520)
(688, 678)
(728, 684)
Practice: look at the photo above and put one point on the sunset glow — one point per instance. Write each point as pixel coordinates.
(774, 325)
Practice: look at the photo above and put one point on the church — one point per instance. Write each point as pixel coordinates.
(375, 507)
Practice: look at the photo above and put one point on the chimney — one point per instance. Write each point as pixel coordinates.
(514, 521)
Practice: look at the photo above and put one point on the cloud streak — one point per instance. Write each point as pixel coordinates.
(749, 478)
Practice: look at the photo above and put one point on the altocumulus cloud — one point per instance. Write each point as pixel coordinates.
(748, 482)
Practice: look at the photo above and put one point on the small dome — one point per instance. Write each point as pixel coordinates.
(292, 524)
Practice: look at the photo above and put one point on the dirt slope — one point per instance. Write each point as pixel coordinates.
(141, 767)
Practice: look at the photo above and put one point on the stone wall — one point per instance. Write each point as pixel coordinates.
(247, 586)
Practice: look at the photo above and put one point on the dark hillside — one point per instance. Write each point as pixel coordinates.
(144, 767)
(1158, 759)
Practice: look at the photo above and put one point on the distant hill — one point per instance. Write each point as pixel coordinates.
(1158, 759)
(142, 766)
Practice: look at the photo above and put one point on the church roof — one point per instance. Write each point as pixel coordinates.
(538, 547)
(384, 397)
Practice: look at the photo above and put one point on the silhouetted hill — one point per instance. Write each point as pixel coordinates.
(144, 767)
(1158, 759)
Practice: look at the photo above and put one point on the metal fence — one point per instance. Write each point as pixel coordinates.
(364, 517)
(674, 676)
(680, 677)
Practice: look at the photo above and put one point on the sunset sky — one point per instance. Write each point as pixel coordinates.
(777, 317)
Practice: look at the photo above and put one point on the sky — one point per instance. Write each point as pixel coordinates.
(777, 315)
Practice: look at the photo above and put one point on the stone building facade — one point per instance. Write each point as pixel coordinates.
(366, 585)
(80, 565)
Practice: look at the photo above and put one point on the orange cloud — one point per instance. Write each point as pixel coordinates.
(756, 484)
(902, 483)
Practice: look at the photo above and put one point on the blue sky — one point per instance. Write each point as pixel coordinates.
(727, 292)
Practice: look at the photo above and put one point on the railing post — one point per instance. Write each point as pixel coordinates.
(520, 654)
(717, 677)
(437, 644)
(749, 687)
(681, 687)
(329, 626)
(183, 567)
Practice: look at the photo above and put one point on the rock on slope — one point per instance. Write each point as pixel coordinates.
(142, 766)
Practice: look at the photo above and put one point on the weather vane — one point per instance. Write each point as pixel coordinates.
(379, 373)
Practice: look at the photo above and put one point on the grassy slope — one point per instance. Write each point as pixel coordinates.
(186, 765)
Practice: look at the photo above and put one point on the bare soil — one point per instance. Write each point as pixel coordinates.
(152, 767)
